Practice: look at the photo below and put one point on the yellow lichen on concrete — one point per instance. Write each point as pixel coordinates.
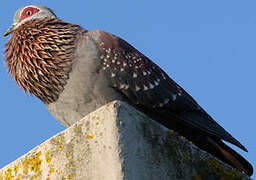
(58, 171)
(224, 174)
(30, 166)
(34, 176)
(195, 176)
(8, 174)
(33, 164)
(58, 141)
(19, 177)
(68, 155)
(69, 164)
(89, 136)
(51, 170)
(95, 117)
(16, 169)
(48, 156)
(70, 176)
(186, 156)
(77, 128)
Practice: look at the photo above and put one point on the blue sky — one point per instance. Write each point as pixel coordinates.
(208, 47)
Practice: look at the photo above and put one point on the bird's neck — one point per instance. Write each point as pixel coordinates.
(39, 56)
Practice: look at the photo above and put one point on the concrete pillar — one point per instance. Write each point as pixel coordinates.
(117, 142)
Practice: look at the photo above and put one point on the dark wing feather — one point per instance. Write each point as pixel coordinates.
(144, 83)
(150, 89)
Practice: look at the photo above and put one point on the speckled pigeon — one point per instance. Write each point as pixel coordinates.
(75, 71)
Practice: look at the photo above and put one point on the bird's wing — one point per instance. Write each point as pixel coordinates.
(144, 83)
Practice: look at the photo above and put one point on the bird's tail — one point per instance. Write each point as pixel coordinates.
(228, 155)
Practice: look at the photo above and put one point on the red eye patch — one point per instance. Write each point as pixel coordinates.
(27, 12)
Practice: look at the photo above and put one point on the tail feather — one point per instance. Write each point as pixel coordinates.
(229, 156)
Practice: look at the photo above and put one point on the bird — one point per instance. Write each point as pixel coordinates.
(74, 71)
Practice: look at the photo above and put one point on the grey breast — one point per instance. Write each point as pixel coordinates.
(87, 88)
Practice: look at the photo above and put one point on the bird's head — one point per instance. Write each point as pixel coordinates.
(40, 52)
(27, 13)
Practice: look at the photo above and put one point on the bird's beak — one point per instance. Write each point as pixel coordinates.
(10, 30)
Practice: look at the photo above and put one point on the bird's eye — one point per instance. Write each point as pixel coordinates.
(29, 13)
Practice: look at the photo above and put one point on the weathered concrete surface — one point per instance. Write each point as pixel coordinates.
(113, 143)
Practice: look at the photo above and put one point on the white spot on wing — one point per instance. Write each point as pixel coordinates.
(174, 97)
(113, 75)
(122, 86)
(161, 104)
(151, 86)
(137, 88)
(145, 88)
(135, 75)
(163, 75)
(166, 100)
(108, 50)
